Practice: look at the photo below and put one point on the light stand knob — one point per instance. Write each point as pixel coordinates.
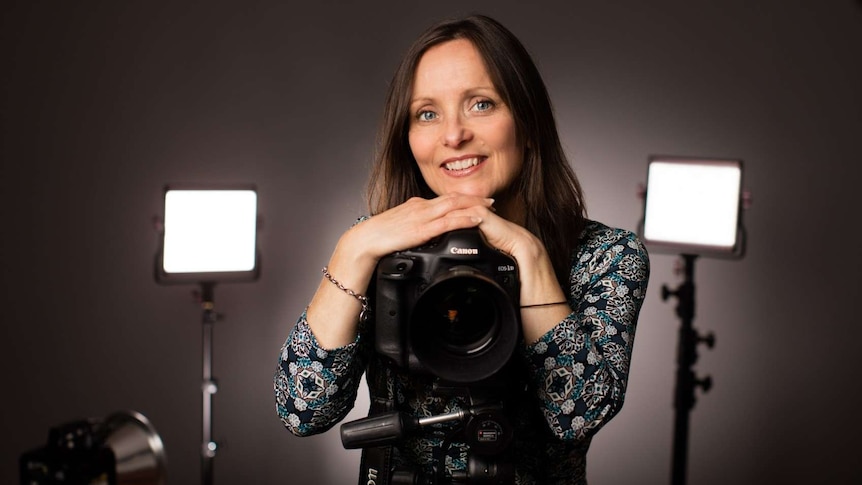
(705, 383)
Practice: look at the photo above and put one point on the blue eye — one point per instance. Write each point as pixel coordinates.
(484, 105)
(426, 115)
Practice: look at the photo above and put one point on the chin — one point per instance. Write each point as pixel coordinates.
(474, 191)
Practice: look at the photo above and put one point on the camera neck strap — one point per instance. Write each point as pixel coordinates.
(375, 467)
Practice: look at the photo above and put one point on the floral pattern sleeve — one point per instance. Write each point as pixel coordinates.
(315, 388)
(580, 367)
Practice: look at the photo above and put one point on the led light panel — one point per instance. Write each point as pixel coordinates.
(693, 205)
(209, 233)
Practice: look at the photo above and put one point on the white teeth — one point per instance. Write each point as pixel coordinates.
(462, 164)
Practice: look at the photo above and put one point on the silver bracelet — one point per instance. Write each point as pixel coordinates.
(363, 300)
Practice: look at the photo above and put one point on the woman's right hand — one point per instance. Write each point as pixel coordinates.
(414, 223)
(333, 315)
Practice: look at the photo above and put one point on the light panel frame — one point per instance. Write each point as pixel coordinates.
(693, 205)
(209, 234)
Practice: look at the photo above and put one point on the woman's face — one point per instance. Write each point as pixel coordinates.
(461, 133)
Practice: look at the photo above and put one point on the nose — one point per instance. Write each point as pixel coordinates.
(456, 132)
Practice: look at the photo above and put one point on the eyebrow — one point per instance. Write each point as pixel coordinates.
(420, 100)
(469, 92)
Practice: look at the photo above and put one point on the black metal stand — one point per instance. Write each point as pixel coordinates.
(686, 380)
(208, 384)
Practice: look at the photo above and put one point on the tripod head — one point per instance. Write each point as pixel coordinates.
(483, 425)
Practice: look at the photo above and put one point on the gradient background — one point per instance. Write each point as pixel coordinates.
(105, 102)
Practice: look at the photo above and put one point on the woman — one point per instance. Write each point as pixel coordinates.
(469, 140)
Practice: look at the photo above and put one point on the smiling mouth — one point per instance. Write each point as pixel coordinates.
(462, 164)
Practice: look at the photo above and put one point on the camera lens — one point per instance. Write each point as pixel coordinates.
(463, 328)
(464, 317)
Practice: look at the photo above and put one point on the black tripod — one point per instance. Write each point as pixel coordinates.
(686, 380)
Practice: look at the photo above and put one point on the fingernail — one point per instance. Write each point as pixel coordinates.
(476, 220)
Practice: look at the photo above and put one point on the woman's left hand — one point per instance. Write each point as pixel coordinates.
(539, 283)
(505, 235)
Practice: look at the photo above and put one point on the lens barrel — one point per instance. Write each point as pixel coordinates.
(463, 328)
(449, 308)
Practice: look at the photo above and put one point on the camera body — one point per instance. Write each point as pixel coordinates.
(448, 309)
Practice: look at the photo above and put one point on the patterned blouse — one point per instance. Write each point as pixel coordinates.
(576, 373)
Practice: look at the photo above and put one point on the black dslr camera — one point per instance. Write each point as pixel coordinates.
(449, 309)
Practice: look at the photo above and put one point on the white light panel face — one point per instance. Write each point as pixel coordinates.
(210, 231)
(693, 203)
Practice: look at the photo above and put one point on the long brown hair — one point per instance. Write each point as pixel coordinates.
(552, 195)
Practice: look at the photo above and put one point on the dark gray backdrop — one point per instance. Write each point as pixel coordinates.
(105, 102)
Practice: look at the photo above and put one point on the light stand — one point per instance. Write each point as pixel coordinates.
(692, 207)
(686, 381)
(208, 235)
(208, 383)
